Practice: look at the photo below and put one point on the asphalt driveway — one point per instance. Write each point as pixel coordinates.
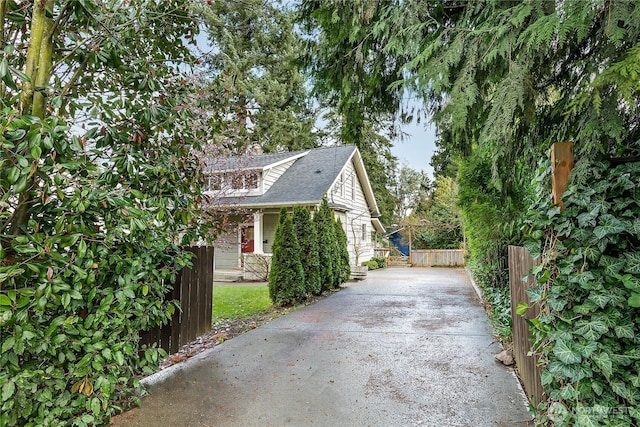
(406, 347)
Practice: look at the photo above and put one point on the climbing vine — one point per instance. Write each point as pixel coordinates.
(587, 335)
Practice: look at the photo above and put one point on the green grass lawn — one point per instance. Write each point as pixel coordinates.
(232, 302)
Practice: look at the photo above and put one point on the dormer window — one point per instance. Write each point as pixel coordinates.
(239, 181)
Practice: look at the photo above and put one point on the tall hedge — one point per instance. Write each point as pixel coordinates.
(309, 256)
(323, 220)
(342, 260)
(286, 277)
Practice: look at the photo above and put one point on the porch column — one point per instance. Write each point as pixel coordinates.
(257, 233)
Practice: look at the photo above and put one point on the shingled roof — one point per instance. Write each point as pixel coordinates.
(305, 182)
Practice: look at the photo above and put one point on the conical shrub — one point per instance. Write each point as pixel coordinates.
(286, 277)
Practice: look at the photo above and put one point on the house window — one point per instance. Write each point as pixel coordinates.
(213, 182)
(246, 181)
(353, 187)
(342, 184)
(364, 232)
(237, 182)
(251, 181)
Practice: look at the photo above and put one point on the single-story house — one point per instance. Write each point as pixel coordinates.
(261, 184)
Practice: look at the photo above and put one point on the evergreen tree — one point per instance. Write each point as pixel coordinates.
(323, 219)
(344, 269)
(286, 277)
(254, 51)
(309, 256)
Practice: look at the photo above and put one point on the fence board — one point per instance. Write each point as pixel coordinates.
(520, 263)
(437, 258)
(194, 289)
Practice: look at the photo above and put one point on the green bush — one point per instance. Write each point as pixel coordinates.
(372, 265)
(309, 256)
(344, 270)
(323, 221)
(380, 261)
(286, 277)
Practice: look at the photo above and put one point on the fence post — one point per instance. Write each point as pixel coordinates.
(561, 165)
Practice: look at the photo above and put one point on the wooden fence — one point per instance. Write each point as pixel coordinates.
(520, 263)
(194, 290)
(437, 258)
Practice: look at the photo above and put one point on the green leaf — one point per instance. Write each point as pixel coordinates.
(4, 300)
(634, 300)
(8, 344)
(7, 390)
(4, 68)
(82, 249)
(625, 330)
(521, 308)
(610, 226)
(20, 185)
(587, 419)
(535, 293)
(586, 348)
(13, 174)
(591, 330)
(612, 265)
(632, 262)
(565, 354)
(95, 406)
(36, 151)
(546, 275)
(621, 389)
(600, 300)
(603, 362)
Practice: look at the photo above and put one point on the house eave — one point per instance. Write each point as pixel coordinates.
(378, 225)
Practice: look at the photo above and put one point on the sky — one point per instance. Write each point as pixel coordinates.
(416, 149)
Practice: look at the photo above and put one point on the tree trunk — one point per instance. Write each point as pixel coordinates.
(32, 100)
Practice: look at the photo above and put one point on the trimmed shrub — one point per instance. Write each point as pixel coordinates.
(380, 261)
(372, 265)
(323, 220)
(343, 271)
(309, 256)
(286, 278)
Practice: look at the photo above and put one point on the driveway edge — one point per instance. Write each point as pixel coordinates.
(475, 287)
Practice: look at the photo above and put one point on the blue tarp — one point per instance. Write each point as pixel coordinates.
(399, 242)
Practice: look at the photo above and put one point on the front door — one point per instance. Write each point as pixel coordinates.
(246, 239)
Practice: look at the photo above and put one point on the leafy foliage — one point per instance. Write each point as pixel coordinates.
(490, 221)
(589, 283)
(309, 256)
(380, 260)
(437, 218)
(253, 56)
(348, 55)
(99, 186)
(286, 277)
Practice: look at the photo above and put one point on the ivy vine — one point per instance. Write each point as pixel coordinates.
(587, 336)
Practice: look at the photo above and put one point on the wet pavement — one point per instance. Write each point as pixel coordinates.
(406, 347)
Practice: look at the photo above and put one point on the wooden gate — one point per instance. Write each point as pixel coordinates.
(520, 263)
(194, 290)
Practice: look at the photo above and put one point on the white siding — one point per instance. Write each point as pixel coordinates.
(269, 176)
(227, 250)
(358, 215)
